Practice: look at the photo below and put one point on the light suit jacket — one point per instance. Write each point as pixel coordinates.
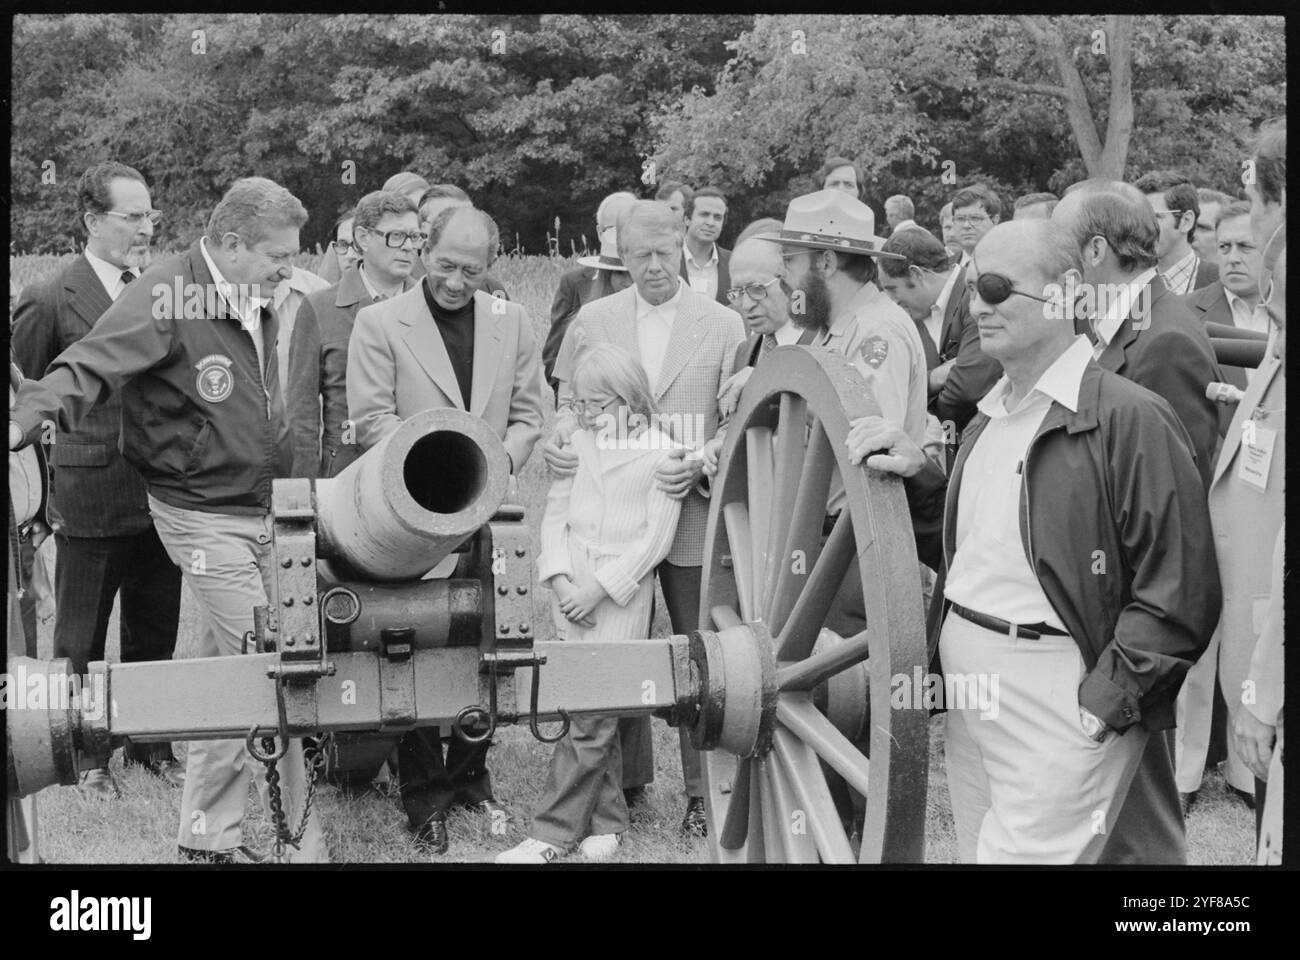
(701, 350)
(398, 366)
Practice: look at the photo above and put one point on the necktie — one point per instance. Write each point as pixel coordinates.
(769, 344)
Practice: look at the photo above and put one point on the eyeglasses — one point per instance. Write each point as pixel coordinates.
(994, 288)
(594, 408)
(153, 216)
(970, 221)
(341, 246)
(399, 238)
(756, 291)
(1169, 213)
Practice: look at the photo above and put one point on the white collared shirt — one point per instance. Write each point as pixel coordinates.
(1182, 275)
(375, 295)
(654, 328)
(703, 276)
(109, 275)
(1245, 316)
(788, 333)
(990, 572)
(230, 294)
(934, 322)
(1118, 307)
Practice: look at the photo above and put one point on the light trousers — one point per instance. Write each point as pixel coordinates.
(226, 560)
(1027, 784)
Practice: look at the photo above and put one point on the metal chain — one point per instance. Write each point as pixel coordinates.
(314, 766)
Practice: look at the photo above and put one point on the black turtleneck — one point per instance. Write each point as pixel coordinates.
(457, 329)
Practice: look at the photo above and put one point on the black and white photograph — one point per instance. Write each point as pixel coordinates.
(480, 441)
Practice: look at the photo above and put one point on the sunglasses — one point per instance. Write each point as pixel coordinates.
(994, 288)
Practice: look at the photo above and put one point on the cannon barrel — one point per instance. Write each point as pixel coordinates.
(414, 497)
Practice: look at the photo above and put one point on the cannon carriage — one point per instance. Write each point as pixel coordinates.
(361, 641)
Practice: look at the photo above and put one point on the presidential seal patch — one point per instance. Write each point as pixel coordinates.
(874, 351)
(215, 382)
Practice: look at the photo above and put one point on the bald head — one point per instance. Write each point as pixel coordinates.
(757, 256)
(611, 208)
(1045, 248)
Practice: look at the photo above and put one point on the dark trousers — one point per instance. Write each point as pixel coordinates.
(88, 574)
(429, 786)
(27, 604)
(681, 587)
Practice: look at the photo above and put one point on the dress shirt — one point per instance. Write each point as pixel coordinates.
(654, 328)
(704, 276)
(110, 275)
(375, 295)
(251, 317)
(789, 333)
(990, 570)
(1245, 316)
(1180, 277)
(1104, 327)
(934, 322)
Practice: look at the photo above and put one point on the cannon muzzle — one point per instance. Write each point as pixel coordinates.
(414, 497)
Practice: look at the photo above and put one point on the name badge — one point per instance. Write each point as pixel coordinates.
(1256, 454)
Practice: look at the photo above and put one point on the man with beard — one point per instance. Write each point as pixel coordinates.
(99, 511)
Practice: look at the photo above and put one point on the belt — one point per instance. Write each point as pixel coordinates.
(1029, 631)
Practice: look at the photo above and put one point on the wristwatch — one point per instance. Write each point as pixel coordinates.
(1093, 725)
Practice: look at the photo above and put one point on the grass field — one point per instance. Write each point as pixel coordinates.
(140, 827)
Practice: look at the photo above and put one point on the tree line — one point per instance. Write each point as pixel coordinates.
(539, 116)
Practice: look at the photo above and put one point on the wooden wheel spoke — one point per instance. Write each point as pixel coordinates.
(759, 477)
(806, 674)
(799, 845)
(799, 632)
(788, 460)
(735, 826)
(804, 537)
(735, 516)
(806, 722)
(725, 616)
(813, 796)
(773, 834)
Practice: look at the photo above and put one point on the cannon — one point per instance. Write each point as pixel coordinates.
(405, 596)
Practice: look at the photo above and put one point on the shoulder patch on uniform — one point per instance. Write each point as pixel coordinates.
(874, 351)
(215, 382)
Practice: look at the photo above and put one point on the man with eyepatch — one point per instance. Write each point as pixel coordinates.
(1089, 617)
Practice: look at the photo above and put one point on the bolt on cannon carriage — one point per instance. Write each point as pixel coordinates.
(356, 642)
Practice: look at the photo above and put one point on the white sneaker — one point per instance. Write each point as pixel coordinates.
(530, 851)
(600, 847)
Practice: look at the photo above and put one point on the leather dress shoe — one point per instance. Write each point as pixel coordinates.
(98, 783)
(1186, 800)
(634, 797)
(1246, 798)
(169, 772)
(432, 837)
(695, 823)
(239, 854)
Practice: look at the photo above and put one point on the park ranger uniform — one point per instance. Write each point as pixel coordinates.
(203, 422)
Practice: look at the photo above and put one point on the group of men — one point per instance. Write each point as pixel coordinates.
(991, 368)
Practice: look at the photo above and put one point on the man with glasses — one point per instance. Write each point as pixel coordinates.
(975, 211)
(445, 343)
(106, 542)
(387, 233)
(340, 253)
(1088, 616)
(190, 349)
(1174, 202)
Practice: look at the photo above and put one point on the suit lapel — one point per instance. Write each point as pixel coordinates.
(425, 343)
(951, 329)
(622, 322)
(682, 342)
(1255, 392)
(87, 297)
(487, 353)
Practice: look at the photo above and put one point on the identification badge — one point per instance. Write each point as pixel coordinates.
(215, 381)
(1256, 454)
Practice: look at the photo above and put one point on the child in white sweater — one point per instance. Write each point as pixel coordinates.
(605, 530)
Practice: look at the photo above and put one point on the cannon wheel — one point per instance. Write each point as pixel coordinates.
(783, 698)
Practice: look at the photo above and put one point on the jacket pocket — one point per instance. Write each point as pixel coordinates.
(79, 454)
(200, 445)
